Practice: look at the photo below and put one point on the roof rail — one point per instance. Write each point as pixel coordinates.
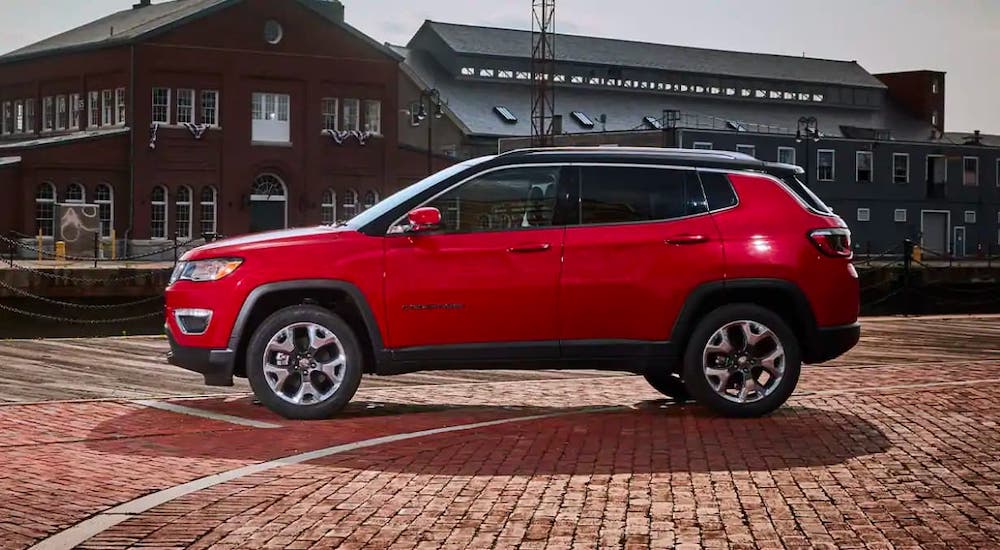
(728, 155)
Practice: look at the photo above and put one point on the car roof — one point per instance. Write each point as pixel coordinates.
(648, 155)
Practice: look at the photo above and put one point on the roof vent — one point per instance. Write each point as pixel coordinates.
(141, 4)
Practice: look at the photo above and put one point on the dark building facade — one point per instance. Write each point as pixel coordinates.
(193, 117)
(872, 146)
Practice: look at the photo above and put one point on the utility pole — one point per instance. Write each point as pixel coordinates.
(543, 56)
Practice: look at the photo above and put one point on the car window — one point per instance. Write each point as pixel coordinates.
(805, 194)
(622, 194)
(718, 191)
(514, 198)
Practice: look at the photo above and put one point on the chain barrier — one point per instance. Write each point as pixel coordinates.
(87, 280)
(53, 256)
(61, 303)
(74, 321)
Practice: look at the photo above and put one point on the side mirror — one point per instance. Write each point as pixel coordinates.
(424, 219)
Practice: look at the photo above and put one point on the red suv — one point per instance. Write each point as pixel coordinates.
(713, 274)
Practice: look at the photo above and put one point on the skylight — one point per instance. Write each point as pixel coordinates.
(582, 119)
(736, 125)
(652, 122)
(505, 114)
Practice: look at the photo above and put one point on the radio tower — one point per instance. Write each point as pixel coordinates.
(543, 57)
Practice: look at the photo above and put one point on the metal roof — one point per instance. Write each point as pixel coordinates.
(129, 25)
(471, 103)
(492, 41)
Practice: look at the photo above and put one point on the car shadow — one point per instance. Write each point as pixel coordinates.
(648, 437)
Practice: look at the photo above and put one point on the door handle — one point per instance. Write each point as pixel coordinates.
(526, 248)
(687, 239)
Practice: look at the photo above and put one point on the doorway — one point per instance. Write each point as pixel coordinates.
(268, 204)
(934, 230)
(958, 244)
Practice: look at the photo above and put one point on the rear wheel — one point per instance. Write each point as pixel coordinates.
(304, 363)
(669, 384)
(742, 360)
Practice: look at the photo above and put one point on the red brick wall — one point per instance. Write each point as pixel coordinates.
(914, 91)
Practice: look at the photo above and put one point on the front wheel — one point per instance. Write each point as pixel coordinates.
(742, 361)
(304, 363)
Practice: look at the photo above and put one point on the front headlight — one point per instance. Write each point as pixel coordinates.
(205, 270)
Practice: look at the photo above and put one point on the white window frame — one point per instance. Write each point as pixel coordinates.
(83, 193)
(164, 106)
(899, 215)
(790, 149)
(107, 107)
(184, 206)
(747, 149)
(371, 193)
(930, 174)
(214, 204)
(93, 109)
(48, 114)
(351, 203)
(165, 203)
(702, 145)
(62, 112)
(864, 215)
(833, 164)
(215, 121)
(6, 117)
(271, 118)
(329, 204)
(47, 235)
(964, 182)
(905, 156)
(354, 122)
(330, 115)
(185, 106)
(121, 107)
(19, 117)
(74, 111)
(857, 166)
(29, 115)
(373, 112)
(110, 204)
(969, 217)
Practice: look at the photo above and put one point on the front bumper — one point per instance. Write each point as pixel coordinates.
(216, 365)
(832, 342)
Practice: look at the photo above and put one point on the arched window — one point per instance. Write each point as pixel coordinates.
(329, 207)
(158, 213)
(182, 207)
(371, 199)
(268, 187)
(45, 209)
(104, 198)
(208, 212)
(75, 193)
(350, 204)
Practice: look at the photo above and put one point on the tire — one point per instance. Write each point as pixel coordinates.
(669, 384)
(726, 381)
(291, 339)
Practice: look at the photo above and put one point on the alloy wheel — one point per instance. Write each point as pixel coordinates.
(744, 361)
(304, 363)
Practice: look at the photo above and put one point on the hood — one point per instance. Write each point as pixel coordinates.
(237, 246)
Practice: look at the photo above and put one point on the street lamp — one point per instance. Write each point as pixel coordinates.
(807, 126)
(430, 100)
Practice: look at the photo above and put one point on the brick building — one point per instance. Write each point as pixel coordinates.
(189, 117)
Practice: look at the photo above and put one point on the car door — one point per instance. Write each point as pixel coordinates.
(486, 283)
(644, 241)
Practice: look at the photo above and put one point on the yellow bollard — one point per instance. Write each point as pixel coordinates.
(917, 254)
(114, 246)
(60, 251)
(40, 242)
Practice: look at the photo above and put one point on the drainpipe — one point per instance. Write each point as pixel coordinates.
(131, 150)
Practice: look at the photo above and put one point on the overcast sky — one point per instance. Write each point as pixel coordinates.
(961, 37)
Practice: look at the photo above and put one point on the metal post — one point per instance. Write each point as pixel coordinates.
(13, 247)
(868, 252)
(907, 261)
(989, 254)
(176, 235)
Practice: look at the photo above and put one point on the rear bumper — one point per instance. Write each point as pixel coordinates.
(832, 342)
(216, 365)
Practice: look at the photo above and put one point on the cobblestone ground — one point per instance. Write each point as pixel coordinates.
(896, 445)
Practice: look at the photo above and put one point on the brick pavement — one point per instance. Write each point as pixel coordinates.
(891, 447)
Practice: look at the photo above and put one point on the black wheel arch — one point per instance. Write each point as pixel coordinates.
(779, 295)
(341, 297)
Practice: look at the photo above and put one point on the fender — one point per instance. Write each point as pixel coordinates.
(367, 315)
(722, 291)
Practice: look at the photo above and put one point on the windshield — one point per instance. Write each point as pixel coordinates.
(408, 193)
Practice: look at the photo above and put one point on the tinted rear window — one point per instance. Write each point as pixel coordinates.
(718, 190)
(806, 194)
(618, 194)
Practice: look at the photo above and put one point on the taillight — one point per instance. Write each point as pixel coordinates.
(834, 242)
